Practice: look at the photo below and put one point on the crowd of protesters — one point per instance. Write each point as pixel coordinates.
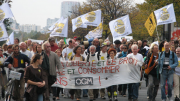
(41, 62)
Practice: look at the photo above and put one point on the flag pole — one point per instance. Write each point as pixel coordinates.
(157, 33)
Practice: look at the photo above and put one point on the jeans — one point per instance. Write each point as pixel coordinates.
(85, 91)
(133, 90)
(166, 75)
(152, 87)
(40, 97)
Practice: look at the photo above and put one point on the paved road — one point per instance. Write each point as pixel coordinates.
(142, 96)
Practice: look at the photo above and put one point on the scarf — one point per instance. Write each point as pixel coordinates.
(124, 54)
(148, 69)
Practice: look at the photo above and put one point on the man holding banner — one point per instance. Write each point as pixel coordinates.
(134, 87)
(90, 58)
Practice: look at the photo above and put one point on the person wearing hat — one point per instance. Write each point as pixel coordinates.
(102, 56)
(54, 46)
(117, 45)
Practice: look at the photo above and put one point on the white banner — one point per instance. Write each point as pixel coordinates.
(56, 24)
(165, 15)
(5, 11)
(96, 33)
(77, 23)
(10, 39)
(92, 18)
(61, 29)
(98, 74)
(39, 41)
(128, 38)
(3, 32)
(120, 27)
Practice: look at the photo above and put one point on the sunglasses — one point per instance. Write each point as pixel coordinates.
(1, 50)
(124, 48)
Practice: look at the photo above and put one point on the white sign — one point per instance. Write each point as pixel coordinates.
(165, 15)
(120, 27)
(92, 18)
(15, 75)
(128, 38)
(98, 74)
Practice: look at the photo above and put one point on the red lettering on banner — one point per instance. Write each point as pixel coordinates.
(112, 68)
(121, 60)
(62, 79)
(99, 71)
(79, 70)
(131, 60)
(84, 69)
(57, 80)
(113, 61)
(62, 64)
(62, 72)
(75, 63)
(94, 70)
(107, 69)
(103, 69)
(125, 60)
(67, 64)
(99, 81)
(136, 62)
(80, 63)
(93, 64)
(117, 68)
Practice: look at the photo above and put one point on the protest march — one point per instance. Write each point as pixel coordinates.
(91, 66)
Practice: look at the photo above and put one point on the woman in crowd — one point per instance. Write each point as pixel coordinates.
(3, 77)
(129, 47)
(39, 49)
(77, 57)
(34, 78)
(4, 47)
(9, 51)
(122, 88)
(112, 90)
(56, 90)
(151, 72)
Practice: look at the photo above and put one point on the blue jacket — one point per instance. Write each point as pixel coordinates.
(171, 64)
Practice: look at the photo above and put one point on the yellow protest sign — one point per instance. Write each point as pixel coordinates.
(150, 24)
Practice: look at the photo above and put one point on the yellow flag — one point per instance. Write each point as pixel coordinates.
(150, 24)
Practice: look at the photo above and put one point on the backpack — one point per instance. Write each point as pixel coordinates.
(172, 56)
(98, 55)
(73, 56)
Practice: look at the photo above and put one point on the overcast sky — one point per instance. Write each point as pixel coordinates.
(37, 11)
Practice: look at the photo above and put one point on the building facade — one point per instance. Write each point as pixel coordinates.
(28, 28)
(67, 7)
